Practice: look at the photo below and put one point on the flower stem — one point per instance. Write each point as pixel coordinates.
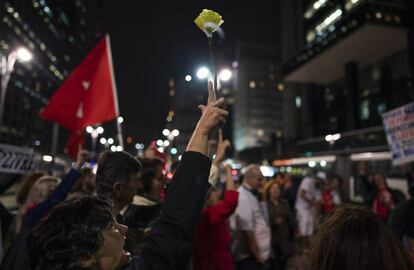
(213, 66)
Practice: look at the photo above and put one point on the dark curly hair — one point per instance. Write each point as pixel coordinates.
(353, 238)
(113, 167)
(69, 233)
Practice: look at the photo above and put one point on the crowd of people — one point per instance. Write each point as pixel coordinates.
(130, 215)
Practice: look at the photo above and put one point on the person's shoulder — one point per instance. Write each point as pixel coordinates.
(306, 182)
(242, 191)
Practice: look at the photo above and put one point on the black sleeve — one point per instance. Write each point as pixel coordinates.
(139, 216)
(171, 239)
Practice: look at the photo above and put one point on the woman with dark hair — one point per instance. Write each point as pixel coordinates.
(281, 223)
(152, 179)
(168, 245)
(89, 237)
(353, 238)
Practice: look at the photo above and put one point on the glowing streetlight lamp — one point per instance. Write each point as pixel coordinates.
(188, 78)
(100, 130)
(225, 75)
(89, 129)
(23, 54)
(120, 119)
(165, 132)
(175, 132)
(203, 73)
(7, 67)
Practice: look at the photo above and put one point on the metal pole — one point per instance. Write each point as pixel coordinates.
(120, 137)
(7, 66)
(94, 136)
(55, 140)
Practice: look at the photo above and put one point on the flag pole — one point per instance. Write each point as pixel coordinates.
(120, 137)
(111, 66)
(55, 141)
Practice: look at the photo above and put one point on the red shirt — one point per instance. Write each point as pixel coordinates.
(212, 240)
(383, 203)
(328, 204)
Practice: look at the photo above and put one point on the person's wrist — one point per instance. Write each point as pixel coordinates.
(78, 165)
(203, 131)
(217, 162)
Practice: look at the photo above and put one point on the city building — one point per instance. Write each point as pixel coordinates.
(353, 62)
(258, 121)
(356, 62)
(58, 34)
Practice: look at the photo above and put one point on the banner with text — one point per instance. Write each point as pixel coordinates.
(15, 159)
(399, 128)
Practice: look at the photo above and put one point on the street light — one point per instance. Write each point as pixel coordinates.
(110, 141)
(89, 129)
(312, 164)
(102, 141)
(202, 73)
(165, 132)
(175, 132)
(188, 78)
(332, 138)
(225, 75)
(7, 67)
(24, 55)
(120, 119)
(47, 158)
(94, 135)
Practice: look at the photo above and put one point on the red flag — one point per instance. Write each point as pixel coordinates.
(88, 96)
(76, 139)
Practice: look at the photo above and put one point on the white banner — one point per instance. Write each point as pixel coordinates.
(399, 128)
(15, 159)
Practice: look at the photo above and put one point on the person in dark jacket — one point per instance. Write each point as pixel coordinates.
(15, 257)
(402, 222)
(281, 222)
(97, 242)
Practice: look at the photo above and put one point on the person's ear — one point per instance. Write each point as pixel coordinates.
(116, 189)
(87, 262)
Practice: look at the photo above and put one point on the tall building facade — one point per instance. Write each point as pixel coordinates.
(258, 97)
(355, 63)
(58, 34)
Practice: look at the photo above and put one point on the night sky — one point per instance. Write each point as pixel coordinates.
(158, 40)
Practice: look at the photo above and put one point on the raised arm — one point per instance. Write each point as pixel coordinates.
(60, 193)
(170, 242)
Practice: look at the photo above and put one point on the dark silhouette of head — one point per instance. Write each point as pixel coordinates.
(70, 234)
(353, 238)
